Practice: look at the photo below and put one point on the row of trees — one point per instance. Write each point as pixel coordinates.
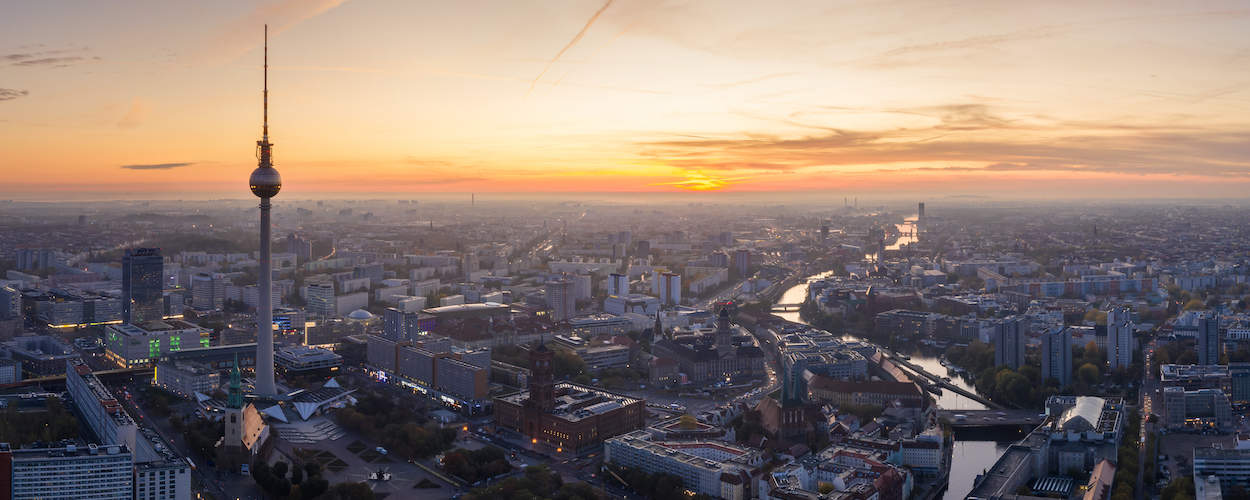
(476, 465)
(302, 482)
(399, 429)
(536, 483)
(1125, 481)
(658, 486)
(18, 427)
(1024, 387)
(201, 433)
(564, 364)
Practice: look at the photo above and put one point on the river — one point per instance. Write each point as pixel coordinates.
(968, 458)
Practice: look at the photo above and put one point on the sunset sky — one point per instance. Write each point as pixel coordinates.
(1119, 99)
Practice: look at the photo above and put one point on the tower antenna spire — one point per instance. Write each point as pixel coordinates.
(265, 131)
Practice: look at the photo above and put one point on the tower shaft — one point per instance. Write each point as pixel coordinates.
(264, 309)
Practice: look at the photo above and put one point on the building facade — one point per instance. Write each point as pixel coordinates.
(71, 472)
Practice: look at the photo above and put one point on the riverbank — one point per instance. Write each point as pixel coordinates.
(968, 457)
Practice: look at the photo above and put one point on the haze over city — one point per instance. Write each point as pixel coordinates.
(160, 99)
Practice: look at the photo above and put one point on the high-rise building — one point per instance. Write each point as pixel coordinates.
(10, 303)
(319, 299)
(208, 291)
(742, 261)
(34, 259)
(920, 210)
(1057, 356)
(143, 272)
(561, 299)
(670, 288)
(618, 284)
(1008, 342)
(1208, 339)
(1119, 338)
(302, 248)
(399, 325)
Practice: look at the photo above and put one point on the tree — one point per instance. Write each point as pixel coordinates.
(1088, 373)
(824, 488)
(1181, 488)
(350, 491)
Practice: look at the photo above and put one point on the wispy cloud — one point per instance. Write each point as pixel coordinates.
(158, 166)
(974, 139)
(576, 38)
(243, 34)
(11, 94)
(135, 115)
(902, 55)
(50, 58)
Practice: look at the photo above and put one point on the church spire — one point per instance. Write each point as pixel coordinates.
(235, 398)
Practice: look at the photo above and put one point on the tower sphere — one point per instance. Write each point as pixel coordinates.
(265, 182)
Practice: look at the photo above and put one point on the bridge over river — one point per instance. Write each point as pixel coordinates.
(941, 381)
(991, 418)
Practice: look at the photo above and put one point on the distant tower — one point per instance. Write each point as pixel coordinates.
(657, 331)
(265, 183)
(542, 379)
(920, 211)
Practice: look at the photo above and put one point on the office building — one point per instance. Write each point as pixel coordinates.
(560, 299)
(1231, 466)
(460, 378)
(1057, 356)
(131, 346)
(301, 359)
(1208, 339)
(69, 472)
(599, 324)
(1008, 337)
(40, 355)
(186, 378)
(143, 275)
(714, 468)
(566, 416)
(1202, 408)
(431, 364)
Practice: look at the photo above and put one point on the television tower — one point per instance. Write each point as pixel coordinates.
(265, 183)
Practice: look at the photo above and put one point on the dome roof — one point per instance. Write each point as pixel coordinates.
(360, 314)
